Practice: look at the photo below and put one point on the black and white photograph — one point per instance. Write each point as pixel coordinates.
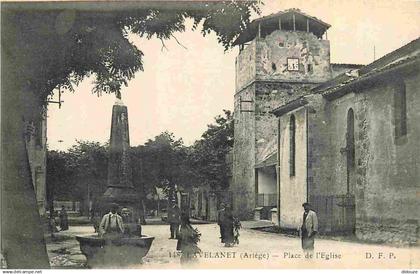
(219, 134)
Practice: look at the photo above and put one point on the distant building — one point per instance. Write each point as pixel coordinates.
(342, 137)
(36, 144)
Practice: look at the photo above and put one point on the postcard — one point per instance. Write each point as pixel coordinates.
(210, 135)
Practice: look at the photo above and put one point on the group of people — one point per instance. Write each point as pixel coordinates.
(112, 225)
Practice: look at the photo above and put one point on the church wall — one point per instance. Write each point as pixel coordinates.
(338, 110)
(321, 191)
(269, 96)
(292, 189)
(389, 172)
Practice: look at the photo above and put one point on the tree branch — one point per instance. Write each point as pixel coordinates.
(179, 42)
(163, 45)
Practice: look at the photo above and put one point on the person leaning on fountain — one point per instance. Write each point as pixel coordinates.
(112, 224)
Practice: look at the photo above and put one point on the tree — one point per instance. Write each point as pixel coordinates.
(209, 153)
(163, 159)
(89, 161)
(50, 45)
(79, 174)
(58, 178)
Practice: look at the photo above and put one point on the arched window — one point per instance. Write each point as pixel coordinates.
(400, 109)
(292, 143)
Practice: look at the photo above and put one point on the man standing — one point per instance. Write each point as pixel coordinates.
(309, 228)
(112, 224)
(220, 220)
(64, 221)
(174, 215)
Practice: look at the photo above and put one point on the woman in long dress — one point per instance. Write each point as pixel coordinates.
(188, 240)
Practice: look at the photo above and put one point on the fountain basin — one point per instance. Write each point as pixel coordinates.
(116, 252)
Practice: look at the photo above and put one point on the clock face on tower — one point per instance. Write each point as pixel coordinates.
(293, 64)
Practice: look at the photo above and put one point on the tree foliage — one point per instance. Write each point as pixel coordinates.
(209, 153)
(79, 174)
(68, 43)
(164, 158)
(163, 162)
(59, 176)
(48, 45)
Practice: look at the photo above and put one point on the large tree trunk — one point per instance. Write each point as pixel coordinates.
(23, 243)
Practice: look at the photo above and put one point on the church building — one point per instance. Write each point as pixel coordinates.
(343, 137)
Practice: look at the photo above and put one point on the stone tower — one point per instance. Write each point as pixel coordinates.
(281, 57)
(120, 189)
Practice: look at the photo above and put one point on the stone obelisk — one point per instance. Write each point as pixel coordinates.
(120, 189)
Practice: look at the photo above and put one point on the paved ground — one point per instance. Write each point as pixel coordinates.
(256, 250)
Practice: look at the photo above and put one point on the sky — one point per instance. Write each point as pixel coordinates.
(182, 88)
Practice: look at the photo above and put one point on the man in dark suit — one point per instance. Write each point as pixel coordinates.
(220, 221)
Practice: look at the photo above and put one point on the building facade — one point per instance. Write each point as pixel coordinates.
(282, 56)
(342, 137)
(351, 149)
(36, 145)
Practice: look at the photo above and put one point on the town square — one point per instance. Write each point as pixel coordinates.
(210, 134)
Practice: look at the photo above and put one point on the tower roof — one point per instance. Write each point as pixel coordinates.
(283, 19)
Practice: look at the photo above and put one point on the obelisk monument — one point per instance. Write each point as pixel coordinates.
(120, 189)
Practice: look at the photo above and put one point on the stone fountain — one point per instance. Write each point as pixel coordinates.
(132, 246)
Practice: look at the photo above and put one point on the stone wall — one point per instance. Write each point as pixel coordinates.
(270, 95)
(386, 176)
(292, 189)
(390, 176)
(243, 183)
(245, 66)
(262, 77)
(273, 51)
(388, 231)
(319, 149)
(338, 110)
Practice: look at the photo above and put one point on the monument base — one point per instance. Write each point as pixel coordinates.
(114, 253)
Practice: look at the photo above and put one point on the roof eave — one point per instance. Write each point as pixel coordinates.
(299, 102)
(405, 69)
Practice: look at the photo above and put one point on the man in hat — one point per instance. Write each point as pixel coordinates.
(220, 221)
(174, 220)
(309, 228)
(112, 224)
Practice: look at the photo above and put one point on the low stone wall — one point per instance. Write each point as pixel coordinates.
(395, 232)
